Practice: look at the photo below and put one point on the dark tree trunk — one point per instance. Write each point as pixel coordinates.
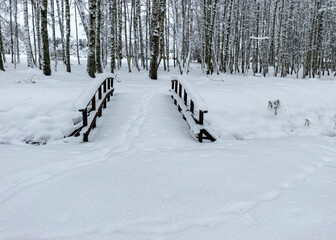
(53, 26)
(77, 40)
(91, 65)
(113, 7)
(67, 12)
(155, 37)
(1, 51)
(99, 68)
(45, 39)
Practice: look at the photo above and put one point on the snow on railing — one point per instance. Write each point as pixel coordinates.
(91, 103)
(259, 38)
(85, 96)
(193, 94)
(192, 107)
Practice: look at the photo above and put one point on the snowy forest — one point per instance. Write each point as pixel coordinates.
(291, 37)
(168, 119)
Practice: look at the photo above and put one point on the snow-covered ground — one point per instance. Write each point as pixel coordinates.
(142, 176)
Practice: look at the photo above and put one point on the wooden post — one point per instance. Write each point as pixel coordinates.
(104, 86)
(104, 103)
(84, 113)
(85, 137)
(94, 122)
(108, 83)
(99, 93)
(185, 98)
(93, 102)
(201, 117)
(192, 107)
(200, 137)
(111, 79)
(99, 112)
(175, 88)
(180, 90)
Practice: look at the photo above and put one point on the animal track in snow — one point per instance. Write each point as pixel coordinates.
(287, 185)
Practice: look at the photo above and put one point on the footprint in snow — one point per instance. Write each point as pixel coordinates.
(326, 159)
(269, 196)
(238, 207)
(308, 170)
(287, 185)
(301, 176)
(318, 164)
(66, 217)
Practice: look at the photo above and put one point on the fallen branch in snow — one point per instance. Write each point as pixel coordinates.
(274, 105)
(307, 122)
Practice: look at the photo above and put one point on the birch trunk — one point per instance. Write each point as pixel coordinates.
(30, 60)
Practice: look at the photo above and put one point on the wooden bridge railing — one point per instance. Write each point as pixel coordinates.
(91, 103)
(192, 107)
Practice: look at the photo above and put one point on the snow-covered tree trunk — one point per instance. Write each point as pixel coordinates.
(38, 31)
(135, 35)
(85, 22)
(113, 14)
(167, 23)
(53, 28)
(33, 28)
(119, 33)
(77, 40)
(99, 68)
(128, 57)
(147, 31)
(2, 68)
(162, 16)
(60, 13)
(11, 30)
(138, 14)
(30, 60)
(16, 35)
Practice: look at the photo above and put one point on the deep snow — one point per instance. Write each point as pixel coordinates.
(142, 176)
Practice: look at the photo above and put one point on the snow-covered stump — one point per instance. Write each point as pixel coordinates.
(91, 103)
(192, 107)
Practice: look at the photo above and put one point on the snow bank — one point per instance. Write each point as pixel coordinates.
(238, 107)
(36, 109)
(86, 95)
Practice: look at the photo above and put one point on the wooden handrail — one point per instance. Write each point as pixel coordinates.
(94, 107)
(185, 97)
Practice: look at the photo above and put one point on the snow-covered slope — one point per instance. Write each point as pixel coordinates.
(142, 176)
